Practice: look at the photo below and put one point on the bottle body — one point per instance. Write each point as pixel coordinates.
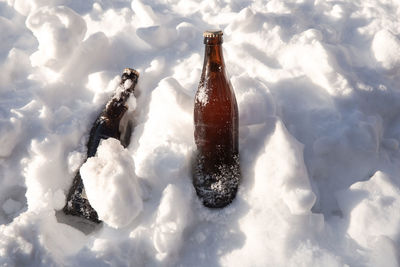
(107, 125)
(216, 172)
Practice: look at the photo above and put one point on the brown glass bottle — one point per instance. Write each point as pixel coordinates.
(216, 172)
(107, 125)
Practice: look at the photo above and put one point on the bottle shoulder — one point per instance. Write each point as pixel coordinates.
(214, 83)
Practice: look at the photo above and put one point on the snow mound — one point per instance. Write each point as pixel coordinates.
(386, 49)
(173, 216)
(378, 197)
(59, 31)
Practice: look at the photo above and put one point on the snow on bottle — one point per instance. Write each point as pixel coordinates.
(216, 173)
(107, 125)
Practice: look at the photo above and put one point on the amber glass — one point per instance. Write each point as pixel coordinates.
(216, 171)
(107, 125)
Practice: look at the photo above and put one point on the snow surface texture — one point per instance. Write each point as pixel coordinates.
(317, 84)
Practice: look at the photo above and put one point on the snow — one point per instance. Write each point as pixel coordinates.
(11, 206)
(386, 49)
(317, 89)
(381, 200)
(172, 218)
(111, 185)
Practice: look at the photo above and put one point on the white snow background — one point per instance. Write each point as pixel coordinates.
(318, 89)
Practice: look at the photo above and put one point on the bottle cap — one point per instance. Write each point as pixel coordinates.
(216, 33)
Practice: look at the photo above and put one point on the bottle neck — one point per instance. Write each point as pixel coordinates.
(116, 107)
(213, 59)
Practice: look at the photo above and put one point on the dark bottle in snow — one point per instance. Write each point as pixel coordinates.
(107, 125)
(216, 173)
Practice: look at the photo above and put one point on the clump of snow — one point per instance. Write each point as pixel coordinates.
(319, 64)
(111, 185)
(377, 198)
(386, 49)
(59, 31)
(127, 84)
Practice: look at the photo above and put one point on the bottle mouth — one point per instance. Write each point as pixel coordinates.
(129, 74)
(214, 33)
(130, 71)
(213, 37)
